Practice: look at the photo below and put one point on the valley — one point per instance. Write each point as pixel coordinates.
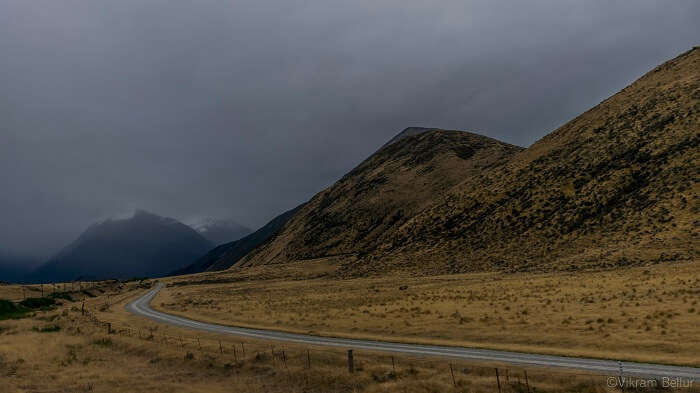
(584, 244)
(642, 314)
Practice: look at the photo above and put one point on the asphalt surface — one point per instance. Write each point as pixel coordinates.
(142, 307)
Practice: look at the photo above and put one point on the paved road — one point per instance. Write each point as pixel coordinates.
(142, 307)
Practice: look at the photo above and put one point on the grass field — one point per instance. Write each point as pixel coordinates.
(644, 314)
(64, 351)
(648, 314)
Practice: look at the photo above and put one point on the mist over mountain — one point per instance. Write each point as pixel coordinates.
(228, 254)
(220, 231)
(143, 245)
(15, 268)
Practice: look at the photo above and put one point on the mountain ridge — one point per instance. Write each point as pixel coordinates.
(142, 245)
(228, 254)
(350, 217)
(615, 186)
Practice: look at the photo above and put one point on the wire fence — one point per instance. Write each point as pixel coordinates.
(394, 365)
(299, 357)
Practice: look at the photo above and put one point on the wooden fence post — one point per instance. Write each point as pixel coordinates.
(452, 372)
(308, 359)
(527, 383)
(221, 349)
(351, 362)
(109, 328)
(498, 381)
(235, 353)
(393, 363)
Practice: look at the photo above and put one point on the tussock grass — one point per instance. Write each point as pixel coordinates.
(644, 314)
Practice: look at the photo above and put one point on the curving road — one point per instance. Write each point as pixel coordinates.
(142, 307)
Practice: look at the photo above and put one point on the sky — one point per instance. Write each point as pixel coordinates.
(244, 109)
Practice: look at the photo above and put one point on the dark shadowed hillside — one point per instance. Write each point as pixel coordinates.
(15, 269)
(221, 231)
(357, 214)
(226, 255)
(143, 245)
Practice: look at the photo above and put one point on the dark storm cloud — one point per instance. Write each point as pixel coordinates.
(245, 108)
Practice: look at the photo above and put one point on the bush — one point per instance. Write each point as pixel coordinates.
(38, 302)
(47, 329)
(61, 295)
(11, 310)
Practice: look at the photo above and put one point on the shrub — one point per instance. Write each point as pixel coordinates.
(38, 302)
(60, 295)
(47, 329)
(11, 310)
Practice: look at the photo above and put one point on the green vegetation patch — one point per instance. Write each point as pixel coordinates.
(12, 310)
(61, 295)
(47, 329)
(87, 293)
(35, 303)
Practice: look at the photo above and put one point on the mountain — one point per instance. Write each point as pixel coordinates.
(407, 175)
(14, 269)
(143, 245)
(226, 255)
(221, 231)
(616, 186)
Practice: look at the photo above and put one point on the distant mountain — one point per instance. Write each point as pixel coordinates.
(356, 215)
(15, 269)
(143, 245)
(616, 186)
(221, 231)
(226, 255)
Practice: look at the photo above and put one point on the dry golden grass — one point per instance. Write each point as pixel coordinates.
(644, 314)
(81, 357)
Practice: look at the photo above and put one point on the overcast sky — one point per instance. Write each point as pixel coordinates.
(243, 109)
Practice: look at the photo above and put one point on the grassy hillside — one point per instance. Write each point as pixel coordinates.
(355, 215)
(226, 255)
(615, 186)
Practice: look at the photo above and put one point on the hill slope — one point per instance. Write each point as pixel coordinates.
(219, 231)
(143, 245)
(226, 255)
(615, 186)
(618, 185)
(407, 175)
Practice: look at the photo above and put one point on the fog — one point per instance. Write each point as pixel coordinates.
(244, 109)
